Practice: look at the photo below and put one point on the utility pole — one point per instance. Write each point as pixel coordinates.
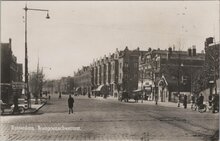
(178, 79)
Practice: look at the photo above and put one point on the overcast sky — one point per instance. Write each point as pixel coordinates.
(80, 31)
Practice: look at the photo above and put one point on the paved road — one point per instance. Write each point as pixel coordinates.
(99, 119)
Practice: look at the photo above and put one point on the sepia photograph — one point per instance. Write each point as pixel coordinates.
(110, 70)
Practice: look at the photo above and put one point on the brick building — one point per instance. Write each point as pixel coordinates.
(212, 57)
(169, 72)
(129, 69)
(11, 73)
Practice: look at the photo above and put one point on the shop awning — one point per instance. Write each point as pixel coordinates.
(78, 88)
(138, 90)
(99, 88)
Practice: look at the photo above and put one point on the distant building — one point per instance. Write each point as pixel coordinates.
(66, 85)
(114, 73)
(83, 80)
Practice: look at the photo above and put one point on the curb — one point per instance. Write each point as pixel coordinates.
(40, 107)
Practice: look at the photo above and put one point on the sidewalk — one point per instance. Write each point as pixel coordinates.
(164, 104)
(35, 108)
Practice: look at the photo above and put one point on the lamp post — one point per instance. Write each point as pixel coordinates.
(179, 75)
(27, 93)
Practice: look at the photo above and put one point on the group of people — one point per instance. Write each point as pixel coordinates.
(198, 101)
(213, 101)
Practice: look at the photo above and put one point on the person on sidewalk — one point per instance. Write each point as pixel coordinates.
(156, 99)
(210, 100)
(59, 95)
(70, 104)
(185, 101)
(136, 98)
(215, 103)
(15, 102)
(193, 100)
(200, 100)
(89, 95)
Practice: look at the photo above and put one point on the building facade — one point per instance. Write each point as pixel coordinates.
(212, 57)
(11, 74)
(166, 74)
(11, 71)
(83, 80)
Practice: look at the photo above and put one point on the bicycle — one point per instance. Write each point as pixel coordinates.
(201, 108)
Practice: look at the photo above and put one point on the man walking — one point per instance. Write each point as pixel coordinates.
(70, 104)
(200, 100)
(185, 101)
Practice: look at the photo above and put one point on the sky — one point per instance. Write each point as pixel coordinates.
(80, 31)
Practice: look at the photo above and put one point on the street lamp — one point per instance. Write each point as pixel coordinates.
(27, 93)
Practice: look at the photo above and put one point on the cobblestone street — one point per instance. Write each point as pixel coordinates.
(107, 119)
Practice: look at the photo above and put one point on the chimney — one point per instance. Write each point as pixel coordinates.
(189, 51)
(194, 50)
(169, 52)
(126, 48)
(10, 42)
(209, 41)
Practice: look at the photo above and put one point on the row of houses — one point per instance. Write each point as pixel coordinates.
(152, 72)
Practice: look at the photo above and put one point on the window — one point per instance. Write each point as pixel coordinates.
(135, 65)
(126, 64)
(135, 75)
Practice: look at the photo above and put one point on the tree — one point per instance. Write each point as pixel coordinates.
(35, 84)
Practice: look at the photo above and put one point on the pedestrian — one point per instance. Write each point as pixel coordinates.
(200, 100)
(215, 103)
(193, 100)
(89, 95)
(70, 104)
(59, 95)
(179, 99)
(185, 101)
(156, 99)
(136, 98)
(15, 101)
(210, 100)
